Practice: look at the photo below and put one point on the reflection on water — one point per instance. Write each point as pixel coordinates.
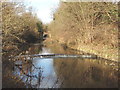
(86, 73)
(38, 72)
(66, 72)
(49, 75)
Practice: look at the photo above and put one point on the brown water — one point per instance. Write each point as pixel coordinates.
(65, 72)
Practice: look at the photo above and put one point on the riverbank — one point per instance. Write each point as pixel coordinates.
(87, 27)
(101, 51)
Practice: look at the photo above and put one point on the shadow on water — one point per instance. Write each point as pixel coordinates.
(64, 72)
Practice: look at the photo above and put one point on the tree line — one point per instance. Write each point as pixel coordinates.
(20, 25)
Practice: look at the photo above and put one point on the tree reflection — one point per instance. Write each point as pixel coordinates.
(86, 73)
(26, 69)
(31, 75)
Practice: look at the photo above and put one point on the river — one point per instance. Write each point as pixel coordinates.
(64, 72)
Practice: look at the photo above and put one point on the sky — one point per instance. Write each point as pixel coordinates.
(44, 8)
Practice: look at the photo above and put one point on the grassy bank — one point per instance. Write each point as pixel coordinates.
(90, 27)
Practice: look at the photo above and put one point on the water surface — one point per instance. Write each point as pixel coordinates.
(65, 72)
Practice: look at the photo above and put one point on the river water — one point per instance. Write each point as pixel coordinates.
(64, 72)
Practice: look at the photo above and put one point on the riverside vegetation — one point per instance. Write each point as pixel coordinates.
(90, 27)
(87, 26)
(20, 28)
